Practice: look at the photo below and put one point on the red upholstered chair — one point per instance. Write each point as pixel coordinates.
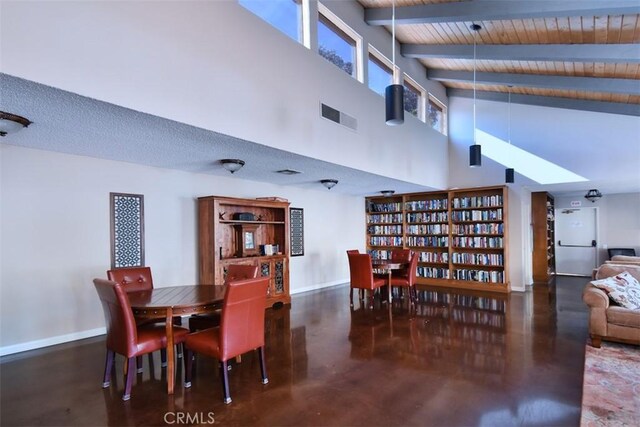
(241, 330)
(402, 256)
(124, 336)
(407, 278)
(352, 252)
(361, 275)
(234, 272)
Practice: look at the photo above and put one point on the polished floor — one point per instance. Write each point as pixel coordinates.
(458, 359)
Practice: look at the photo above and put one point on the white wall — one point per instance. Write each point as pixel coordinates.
(217, 66)
(618, 220)
(54, 211)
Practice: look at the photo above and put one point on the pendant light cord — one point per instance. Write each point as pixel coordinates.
(509, 121)
(393, 38)
(474, 85)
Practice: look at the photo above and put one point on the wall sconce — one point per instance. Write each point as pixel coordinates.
(329, 183)
(11, 123)
(232, 165)
(387, 193)
(593, 195)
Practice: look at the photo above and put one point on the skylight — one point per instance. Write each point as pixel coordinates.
(525, 163)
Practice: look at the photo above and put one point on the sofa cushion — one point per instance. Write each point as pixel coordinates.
(626, 258)
(608, 270)
(623, 289)
(623, 317)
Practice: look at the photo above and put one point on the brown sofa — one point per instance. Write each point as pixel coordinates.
(608, 321)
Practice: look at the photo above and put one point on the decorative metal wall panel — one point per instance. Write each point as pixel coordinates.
(279, 276)
(127, 230)
(265, 269)
(296, 224)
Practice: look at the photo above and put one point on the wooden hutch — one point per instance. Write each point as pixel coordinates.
(245, 231)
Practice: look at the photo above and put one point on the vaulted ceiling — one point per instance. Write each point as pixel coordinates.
(572, 54)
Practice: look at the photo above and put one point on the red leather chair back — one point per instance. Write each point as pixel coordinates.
(401, 255)
(133, 279)
(352, 252)
(240, 272)
(242, 323)
(122, 335)
(361, 271)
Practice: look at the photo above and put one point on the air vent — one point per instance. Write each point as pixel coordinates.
(288, 172)
(339, 117)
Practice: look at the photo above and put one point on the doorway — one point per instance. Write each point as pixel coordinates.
(576, 241)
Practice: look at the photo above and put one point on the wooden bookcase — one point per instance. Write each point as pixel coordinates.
(460, 235)
(223, 240)
(543, 221)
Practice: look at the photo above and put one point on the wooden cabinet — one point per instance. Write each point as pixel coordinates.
(245, 231)
(460, 235)
(543, 223)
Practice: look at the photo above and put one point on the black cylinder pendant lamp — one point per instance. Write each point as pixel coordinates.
(475, 151)
(394, 93)
(509, 176)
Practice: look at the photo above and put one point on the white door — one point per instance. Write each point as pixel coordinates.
(576, 249)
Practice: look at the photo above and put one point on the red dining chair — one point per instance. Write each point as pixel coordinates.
(407, 278)
(361, 276)
(136, 279)
(241, 330)
(402, 256)
(124, 336)
(352, 252)
(234, 272)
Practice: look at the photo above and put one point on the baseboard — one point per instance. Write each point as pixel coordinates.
(46, 342)
(320, 286)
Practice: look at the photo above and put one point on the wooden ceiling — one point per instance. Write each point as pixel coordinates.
(587, 50)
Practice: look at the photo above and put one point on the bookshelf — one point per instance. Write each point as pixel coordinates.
(225, 239)
(543, 221)
(460, 235)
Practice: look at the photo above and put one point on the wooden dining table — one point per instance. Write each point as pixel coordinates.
(167, 302)
(389, 266)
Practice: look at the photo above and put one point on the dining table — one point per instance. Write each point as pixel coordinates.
(170, 301)
(388, 266)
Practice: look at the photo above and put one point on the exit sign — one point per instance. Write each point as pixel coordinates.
(576, 203)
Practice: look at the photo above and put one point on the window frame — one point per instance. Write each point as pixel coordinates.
(445, 116)
(300, 21)
(408, 81)
(381, 61)
(342, 30)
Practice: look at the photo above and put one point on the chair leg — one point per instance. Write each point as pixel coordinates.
(225, 382)
(139, 363)
(108, 367)
(263, 365)
(163, 357)
(188, 367)
(371, 299)
(350, 297)
(596, 341)
(179, 350)
(131, 365)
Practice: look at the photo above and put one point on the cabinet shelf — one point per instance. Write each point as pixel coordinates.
(543, 224)
(478, 208)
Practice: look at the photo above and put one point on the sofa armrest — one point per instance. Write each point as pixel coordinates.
(594, 297)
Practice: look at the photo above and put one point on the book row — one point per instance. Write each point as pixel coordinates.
(379, 254)
(489, 228)
(384, 229)
(478, 242)
(479, 275)
(428, 217)
(486, 215)
(385, 241)
(428, 229)
(421, 205)
(385, 207)
(479, 259)
(433, 257)
(476, 202)
(431, 241)
(384, 218)
(433, 273)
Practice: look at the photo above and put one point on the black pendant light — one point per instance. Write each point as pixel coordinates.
(509, 173)
(394, 93)
(475, 151)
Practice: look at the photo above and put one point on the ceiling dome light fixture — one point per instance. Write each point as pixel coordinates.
(394, 93)
(232, 165)
(593, 195)
(509, 173)
(11, 123)
(475, 151)
(387, 193)
(329, 183)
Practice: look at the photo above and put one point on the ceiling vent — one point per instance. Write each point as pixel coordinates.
(288, 172)
(339, 117)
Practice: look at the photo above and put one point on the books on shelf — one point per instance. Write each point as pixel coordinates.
(428, 241)
(435, 257)
(478, 242)
(385, 241)
(487, 276)
(433, 272)
(477, 202)
(384, 229)
(386, 207)
(483, 215)
(428, 229)
(384, 218)
(423, 205)
(427, 217)
(483, 228)
(477, 259)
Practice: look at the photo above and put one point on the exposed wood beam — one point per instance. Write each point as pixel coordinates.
(551, 101)
(626, 53)
(494, 10)
(586, 84)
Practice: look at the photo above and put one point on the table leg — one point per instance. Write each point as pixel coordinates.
(170, 352)
(389, 287)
